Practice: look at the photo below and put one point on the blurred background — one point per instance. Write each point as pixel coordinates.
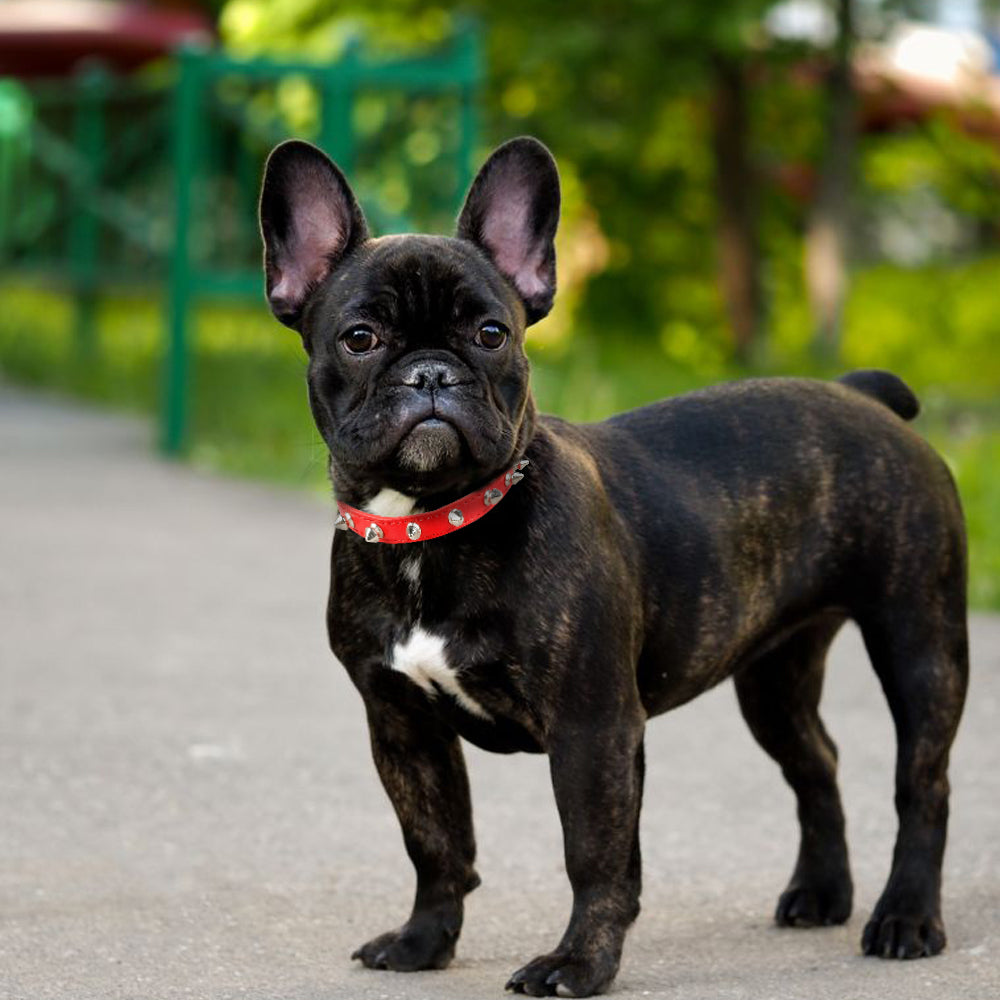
(750, 187)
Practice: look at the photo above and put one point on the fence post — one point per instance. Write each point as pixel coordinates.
(93, 85)
(336, 131)
(469, 54)
(176, 362)
(15, 139)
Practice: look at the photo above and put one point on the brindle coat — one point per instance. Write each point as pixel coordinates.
(726, 533)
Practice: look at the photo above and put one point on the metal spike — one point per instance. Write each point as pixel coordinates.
(455, 517)
(523, 464)
(341, 523)
(492, 496)
(413, 531)
(373, 533)
(516, 477)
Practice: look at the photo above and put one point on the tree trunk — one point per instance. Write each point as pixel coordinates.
(829, 227)
(735, 186)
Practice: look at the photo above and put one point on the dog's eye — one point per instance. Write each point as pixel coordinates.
(492, 336)
(359, 340)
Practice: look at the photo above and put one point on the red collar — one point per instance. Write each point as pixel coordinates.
(435, 523)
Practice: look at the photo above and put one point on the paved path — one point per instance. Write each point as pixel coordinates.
(188, 809)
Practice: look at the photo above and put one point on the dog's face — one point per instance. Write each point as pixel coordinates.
(417, 378)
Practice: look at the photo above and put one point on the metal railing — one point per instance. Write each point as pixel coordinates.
(153, 180)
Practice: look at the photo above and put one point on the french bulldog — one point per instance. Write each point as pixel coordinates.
(530, 584)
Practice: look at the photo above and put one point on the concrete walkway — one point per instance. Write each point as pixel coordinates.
(188, 808)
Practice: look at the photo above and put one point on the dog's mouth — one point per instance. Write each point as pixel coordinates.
(424, 444)
(432, 443)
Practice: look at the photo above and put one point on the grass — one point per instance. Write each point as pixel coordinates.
(250, 417)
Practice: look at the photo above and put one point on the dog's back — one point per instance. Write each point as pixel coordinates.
(762, 503)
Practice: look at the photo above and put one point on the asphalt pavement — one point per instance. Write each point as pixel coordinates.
(188, 807)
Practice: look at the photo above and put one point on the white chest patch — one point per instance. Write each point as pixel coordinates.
(422, 658)
(389, 503)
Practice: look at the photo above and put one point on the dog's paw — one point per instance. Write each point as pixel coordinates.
(564, 974)
(896, 935)
(814, 905)
(419, 944)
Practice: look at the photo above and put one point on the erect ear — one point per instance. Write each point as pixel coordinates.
(309, 219)
(511, 212)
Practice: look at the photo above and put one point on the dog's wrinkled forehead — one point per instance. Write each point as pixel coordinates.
(421, 286)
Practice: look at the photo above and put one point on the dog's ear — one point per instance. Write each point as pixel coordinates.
(309, 220)
(511, 213)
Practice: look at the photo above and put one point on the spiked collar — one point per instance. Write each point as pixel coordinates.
(435, 523)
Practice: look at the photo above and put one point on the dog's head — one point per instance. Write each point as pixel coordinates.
(418, 379)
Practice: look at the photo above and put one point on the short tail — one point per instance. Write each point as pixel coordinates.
(887, 388)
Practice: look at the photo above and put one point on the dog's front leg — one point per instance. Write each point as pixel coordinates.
(597, 777)
(423, 771)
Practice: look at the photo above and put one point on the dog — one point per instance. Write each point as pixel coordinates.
(529, 584)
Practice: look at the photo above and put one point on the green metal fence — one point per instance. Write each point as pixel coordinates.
(152, 181)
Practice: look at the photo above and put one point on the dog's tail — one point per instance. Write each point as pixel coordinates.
(887, 388)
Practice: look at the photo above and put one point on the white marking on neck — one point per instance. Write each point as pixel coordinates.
(421, 657)
(409, 569)
(389, 503)
(409, 573)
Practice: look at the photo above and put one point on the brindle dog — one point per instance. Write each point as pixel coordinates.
(725, 533)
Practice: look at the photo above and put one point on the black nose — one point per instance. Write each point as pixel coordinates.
(430, 375)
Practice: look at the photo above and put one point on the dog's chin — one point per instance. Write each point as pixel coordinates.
(431, 446)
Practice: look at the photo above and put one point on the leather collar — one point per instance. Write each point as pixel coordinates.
(435, 523)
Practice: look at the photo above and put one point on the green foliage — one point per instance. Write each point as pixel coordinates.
(961, 169)
(937, 326)
(974, 456)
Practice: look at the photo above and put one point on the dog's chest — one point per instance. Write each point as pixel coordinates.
(422, 657)
(422, 654)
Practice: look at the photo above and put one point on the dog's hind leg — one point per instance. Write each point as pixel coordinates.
(919, 650)
(779, 696)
